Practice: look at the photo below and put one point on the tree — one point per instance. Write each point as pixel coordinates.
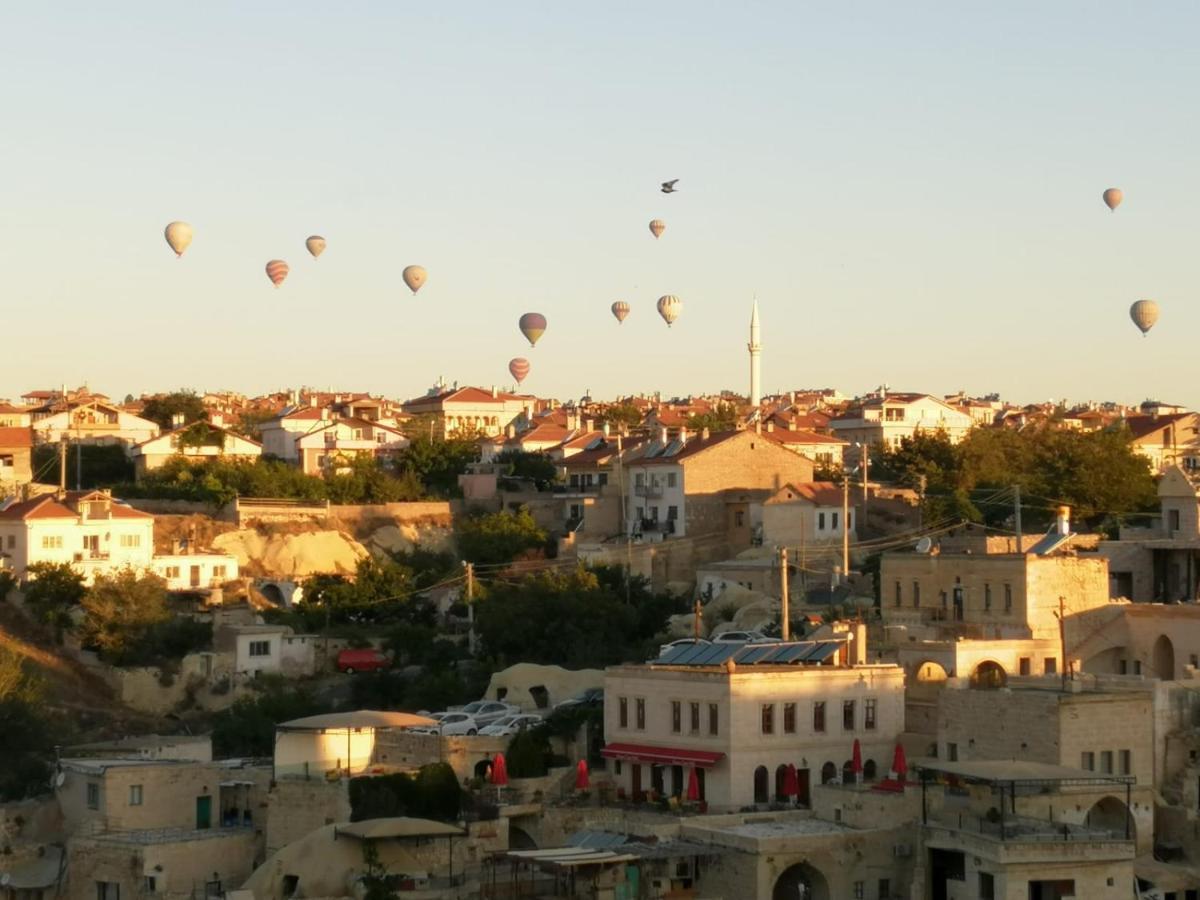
(376, 881)
(121, 609)
(368, 481)
(625, 415)
(723, 417)
(53, 591)
(88, 465)
(163, 408)
(436, 462)
(527, 753)
(249, 423)
(537, 467)
(500, 537)
(247, 728)
(27, 736)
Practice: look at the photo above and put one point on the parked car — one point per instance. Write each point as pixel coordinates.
(351, 661)
(451, 723)
(682, 642)
(744, 637)
(485, 712)
(590, 697)
(510, 725)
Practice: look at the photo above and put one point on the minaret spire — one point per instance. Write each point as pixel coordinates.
(755, 348)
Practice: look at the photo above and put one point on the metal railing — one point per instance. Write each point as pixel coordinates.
(648, 490)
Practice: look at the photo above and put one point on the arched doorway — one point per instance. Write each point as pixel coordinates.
(848, 772)
(828, 773)
(483, 768)
(869, 770)
(801, 882)
(1112, 815)
(930, 672)
(1164, 658)
(988, 675)
(271, 593)
(762, 787)
(780, 783)
(520, 839)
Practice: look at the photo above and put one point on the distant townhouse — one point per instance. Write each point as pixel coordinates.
(799, 515)
(472, 411)
(823, 449)
(331, 446)
(16, 457)
(196, 442)
(538, 439)
(1171, 439)
(15, 416)
(888, 418)
(90, 422)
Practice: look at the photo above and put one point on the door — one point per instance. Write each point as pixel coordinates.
(195, 576)
(636, 783)
(803, 797)
(91, 546)
(203, 812)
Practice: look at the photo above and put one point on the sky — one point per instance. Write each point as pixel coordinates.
(911, 191)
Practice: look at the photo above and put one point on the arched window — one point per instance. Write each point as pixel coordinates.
(848, 772)
(829, 773)
(762, 787)
(869, 770)
(780, 783)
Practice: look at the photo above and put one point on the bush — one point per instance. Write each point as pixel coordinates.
(247, 728)
(53, 590)
(8, 581)
(432, 793)
(528, 753)
(497, 538)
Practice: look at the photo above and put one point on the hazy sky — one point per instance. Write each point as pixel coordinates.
(911, 189)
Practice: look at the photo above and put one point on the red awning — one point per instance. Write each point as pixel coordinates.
(662, 755)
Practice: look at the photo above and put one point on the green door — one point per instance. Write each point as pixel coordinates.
(204, 812)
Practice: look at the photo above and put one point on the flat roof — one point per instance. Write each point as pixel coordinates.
(397, 827)
(362, 718)
(1018, 771)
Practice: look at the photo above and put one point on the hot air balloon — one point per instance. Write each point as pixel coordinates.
(178, 235)
(414, 277)
(1144, 314)
(620, 309)
(277, 270)
(657, 227)
(669, 307)
(518, 368)
(1113, 198)
(533, 326)
(315, 245)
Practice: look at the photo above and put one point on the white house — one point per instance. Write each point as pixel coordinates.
(88, 529)
(334, 444)
(195, 571)
(472, 410)
(196, 442)
(888, 418)
(799, 515)
(92, 422)
(255, 648)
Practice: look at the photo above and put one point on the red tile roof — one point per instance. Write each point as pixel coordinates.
(1141, 426)
(47, 506)
(16, 437)
(819, 493)
(694, 445)
(799, 436)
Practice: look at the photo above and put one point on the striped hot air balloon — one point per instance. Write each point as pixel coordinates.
(518, 368)
(414, 277)
(669, 307)
(657, 227)
(315, 245)
(620, 309)
(1144, 314)
(533, 326)
(1113, 198)
(277, 270)
(178, 235)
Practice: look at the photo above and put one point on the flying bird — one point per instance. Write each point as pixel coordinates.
(668, 187)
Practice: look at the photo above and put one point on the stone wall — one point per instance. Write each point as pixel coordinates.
(351, 516)
(296, 807)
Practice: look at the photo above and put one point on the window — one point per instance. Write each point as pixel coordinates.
(676, 717)
(1087, 760)
(1008, 598)
(847, 715)
(987, 598)
(623, 712)
(150, 884)
(131, 540)
(639, 479)
(869, 713)
(860, 890)
(93, 795)
(739, 518)
(1137, 667)
(671, 479)
(1126, 761)
(987, 886)
(260, 648)
(885, 889)
(171, 572)
(819, 716)
(54, 542)
(916, 594)
(1173, 517)
(1023, 665)
(820, 521)
(789, 718)
(1050, 666)
(713, 719)
(108, 890)
(1106, 762)
(768, 718)
(602, 479)
(135, 795)
(945, 599)
(833, 520)
(951, 752)
(672, 513)
(694, 711)
(899, 593)
(12, 541)
(640, 711)
(1123, 667)
(218, 571)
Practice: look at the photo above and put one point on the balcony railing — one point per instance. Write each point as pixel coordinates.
(648, 490)
(665, 526)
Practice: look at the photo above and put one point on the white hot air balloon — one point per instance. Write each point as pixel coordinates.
(657, 227)
(620, 309)
(669, 307)
(315, 245)
(178, 235)
(1144, 314)
(414, 277)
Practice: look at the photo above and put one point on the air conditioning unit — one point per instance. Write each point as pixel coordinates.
(902, 851)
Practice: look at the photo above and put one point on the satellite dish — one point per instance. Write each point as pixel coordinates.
(924, 545)
(60, 779)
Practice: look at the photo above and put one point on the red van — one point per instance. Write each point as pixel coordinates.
(351, 661)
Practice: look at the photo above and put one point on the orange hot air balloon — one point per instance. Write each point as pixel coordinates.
(533, 326)
(657, 227)
(315, 245)
(518, 368)
(620, 309)
(277, 270)
(669, 307)
(179, 236)
(1144, 314)
(1113, 198)
(414, 277)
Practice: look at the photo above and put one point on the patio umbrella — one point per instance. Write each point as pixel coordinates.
(856, 761)
(899, 764)
(693, 788)
(499, 771)
(581, 776)
(791, 782)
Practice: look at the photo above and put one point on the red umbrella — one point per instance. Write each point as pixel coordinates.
(581, 776)
(856, 759)
(693, 789)
(899, 764)
(499, 771)
(791, 782)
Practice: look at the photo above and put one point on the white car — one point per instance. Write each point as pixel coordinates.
(682, 642)
(510, 725)
(744, 637)
(485, 712)
(456, 723)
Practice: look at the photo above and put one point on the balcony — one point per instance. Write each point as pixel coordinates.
(654, 525)
(648, 490)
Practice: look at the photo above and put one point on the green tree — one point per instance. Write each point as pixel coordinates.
(27, 735)
(88, 465)
(537, 467)
(247, 728)
(120, 611)
(619, 415)
(527, 753)
(500, 537)
(53, 591)
(367, 480)
(437, 463)
(723, 417)
(376, 881)
(163, 408)
(249, 423)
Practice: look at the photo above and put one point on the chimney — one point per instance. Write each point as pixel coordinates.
(1063, 520)
(324, 414)
(704, 434)
(605, 429)
(587, 424)
(858, 644)
(510, 431)
(216, 419)
(312, 401)
(662, 434)
(770, 426)
(758, 426)
(177, 420)
(792, 424)
(495, 393)
(683, 434)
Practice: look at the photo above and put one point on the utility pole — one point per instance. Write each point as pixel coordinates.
(697, 618)
(1062, 641)
(471, 639)
(845, 528)
(784, 623)
(624, 521)
(921, 504)
(1017, 501)
(866, 468)
(62, 463)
